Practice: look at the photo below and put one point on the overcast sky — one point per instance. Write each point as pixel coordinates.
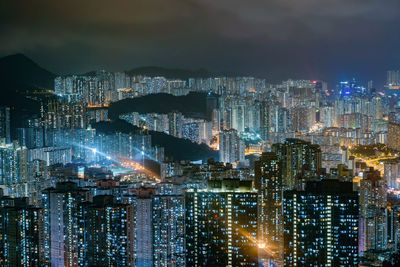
(275, 39)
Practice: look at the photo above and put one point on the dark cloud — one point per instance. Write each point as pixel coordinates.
(276, 39)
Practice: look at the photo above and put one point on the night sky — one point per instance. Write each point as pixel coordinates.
(275, 39)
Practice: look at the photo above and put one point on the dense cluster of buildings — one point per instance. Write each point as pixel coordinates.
(286, 190)
(349, 114)
(200, 215)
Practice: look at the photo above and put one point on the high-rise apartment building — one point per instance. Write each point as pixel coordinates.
(221, 225)
(296, 157)
(19, 228)
(373, 212)
(393, 79)
(321, 225)
(231, 146)
(108, 232)
(159, 222)
(168, 221)
(393, 137)
(14, 169)
(143, 228)
(175, 124)
(268, 182)
(5, 130)
(61, 234)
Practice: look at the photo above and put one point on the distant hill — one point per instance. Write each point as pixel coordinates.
(20, 73)
(175, 148)
(170, 73)
(192, 105)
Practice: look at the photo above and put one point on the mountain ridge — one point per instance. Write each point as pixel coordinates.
(18, 72)
(192, 105)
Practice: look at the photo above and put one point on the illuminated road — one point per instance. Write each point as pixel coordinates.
(376, 163)
(134, 165)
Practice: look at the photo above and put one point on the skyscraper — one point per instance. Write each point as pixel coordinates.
(349, 88)
(370, 88)
(31, 137)
(393, 137)
(393, 79)
(321, 225)
(302, 118)
(5, 133)
(14, 169)
(19, 228)
(168, 221)
(296, 156)
(264, 120)
(175, 124)
(108, 232)
(231, 147)
(268, 182)
(221, 225)
(143, 228)
(159, 222)
(373, 212)
(238, 117)
(61, 232)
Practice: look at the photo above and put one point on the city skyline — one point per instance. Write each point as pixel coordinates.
(200, 133)
(266, 174)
